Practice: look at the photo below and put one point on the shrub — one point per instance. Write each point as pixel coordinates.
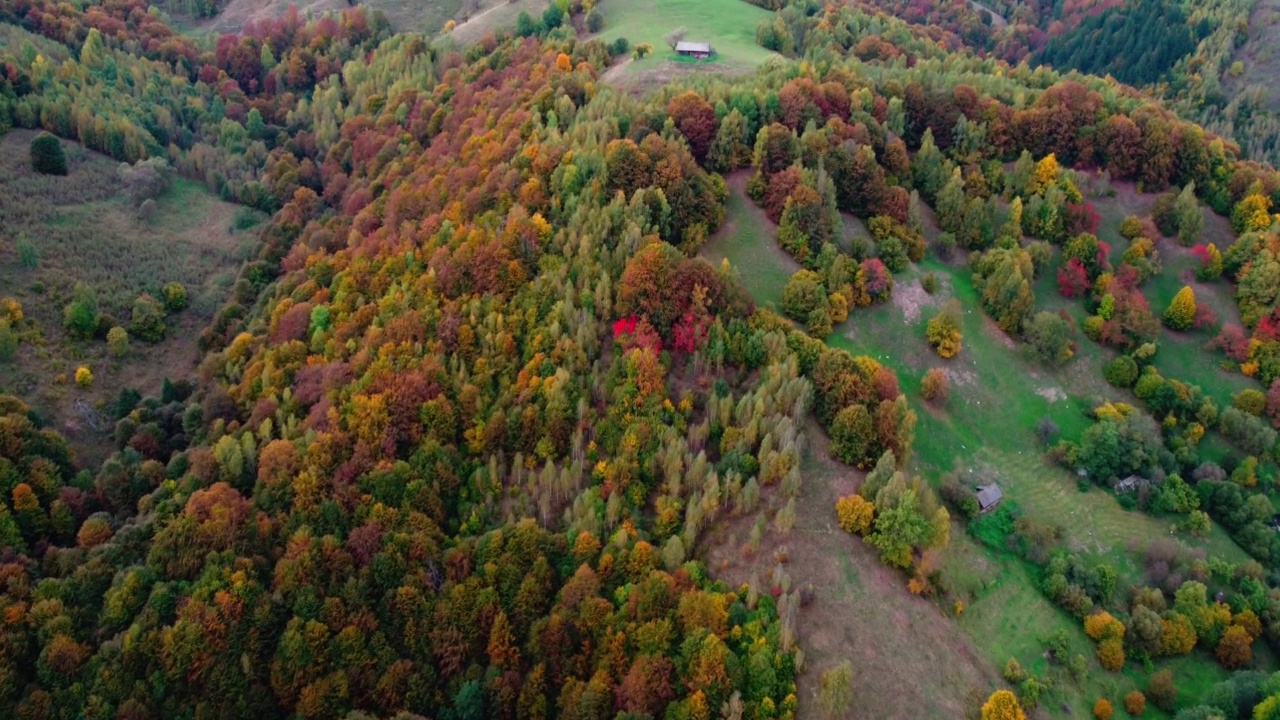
(47, 155)
(1135, 703)
(1162, 690)
(1121, 372)
(11, 311)
(1013, 672)
(1002, 705)
(117, 341)
(1049, 335)
(174, 296)
(929, 282)
(803, 293)
(621, 46)
(8, 341)
(1181, 313)
(80, 317)
(1131, 227)
(148, 319)
(1102, 709)
(855, 513)
(943, 331)
(1235, 649)
(595, 20)
(935, 387)
(1111, 654)
(1250, 400)
(84, 378)
(28, 254)
(852, 435)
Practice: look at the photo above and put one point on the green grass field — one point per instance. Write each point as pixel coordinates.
(987, 431)
(728, 25)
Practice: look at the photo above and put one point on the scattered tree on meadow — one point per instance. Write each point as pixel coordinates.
(1181, 313)
(47, 155)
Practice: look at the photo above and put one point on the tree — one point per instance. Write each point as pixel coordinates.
(117, 342)
(1050, 337)
(1111, 654)
(855, 513)
(943, 330)
(641, 49)
(1188, 215)
(802, 294)
(1121, 372)
(148, 319)
(835, 691)
(1162, 691)
(1135, 703)
(674, 37)
(696, 120)
(935, 387)
(1102, 709)
(853, 435)
(1002, 705)
(1235, 649)
(174, 296)
(1181, 313)
(47, 155)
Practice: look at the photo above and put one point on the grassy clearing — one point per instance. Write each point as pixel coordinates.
(728, 25)
(746, 240)
(85, 231)
(987, 431)
(405, 15)
(488, 17)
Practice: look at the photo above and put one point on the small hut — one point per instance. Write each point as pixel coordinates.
(698, 51)
(988, 497)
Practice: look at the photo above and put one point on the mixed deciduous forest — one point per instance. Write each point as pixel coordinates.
(351, 373)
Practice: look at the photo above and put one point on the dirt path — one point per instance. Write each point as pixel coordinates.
(909, 660)
(615, 71)
(998, 21)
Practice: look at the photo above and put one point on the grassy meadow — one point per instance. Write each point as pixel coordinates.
(986, 432)
(728, 25)
(82, 230)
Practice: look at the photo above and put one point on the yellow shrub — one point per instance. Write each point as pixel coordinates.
(855, 513)
(11, 310)
(84, 378)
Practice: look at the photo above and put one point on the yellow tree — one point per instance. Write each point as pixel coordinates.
(1181, 313)
(1003, 705)
(1047, 173)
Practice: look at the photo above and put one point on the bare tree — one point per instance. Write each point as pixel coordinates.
(675, 36)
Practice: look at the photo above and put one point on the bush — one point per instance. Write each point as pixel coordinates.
(1111, 654)
(117, 341)
(1121, 372)
(1162, 690)
(1102, 709)
(148, 319)
(943, 331)
(1250, 400)
(1181, 313)
(935, 387)
(620, 46)
(1049, 335)
(929, 282)
(852, 435)
(47, 155)
(855, 513)
(28, 254)
(1135, 703)
(595, 20)
(174, 296)
(803, 293)
(1131, 227)
(84, 378)
(8, 341)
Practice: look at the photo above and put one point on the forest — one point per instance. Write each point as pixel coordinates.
(498, 419)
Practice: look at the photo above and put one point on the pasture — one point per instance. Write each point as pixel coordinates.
(81, 230)
(729, 26)
(985, 432)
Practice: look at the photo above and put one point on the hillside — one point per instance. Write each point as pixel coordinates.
(865, 375)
